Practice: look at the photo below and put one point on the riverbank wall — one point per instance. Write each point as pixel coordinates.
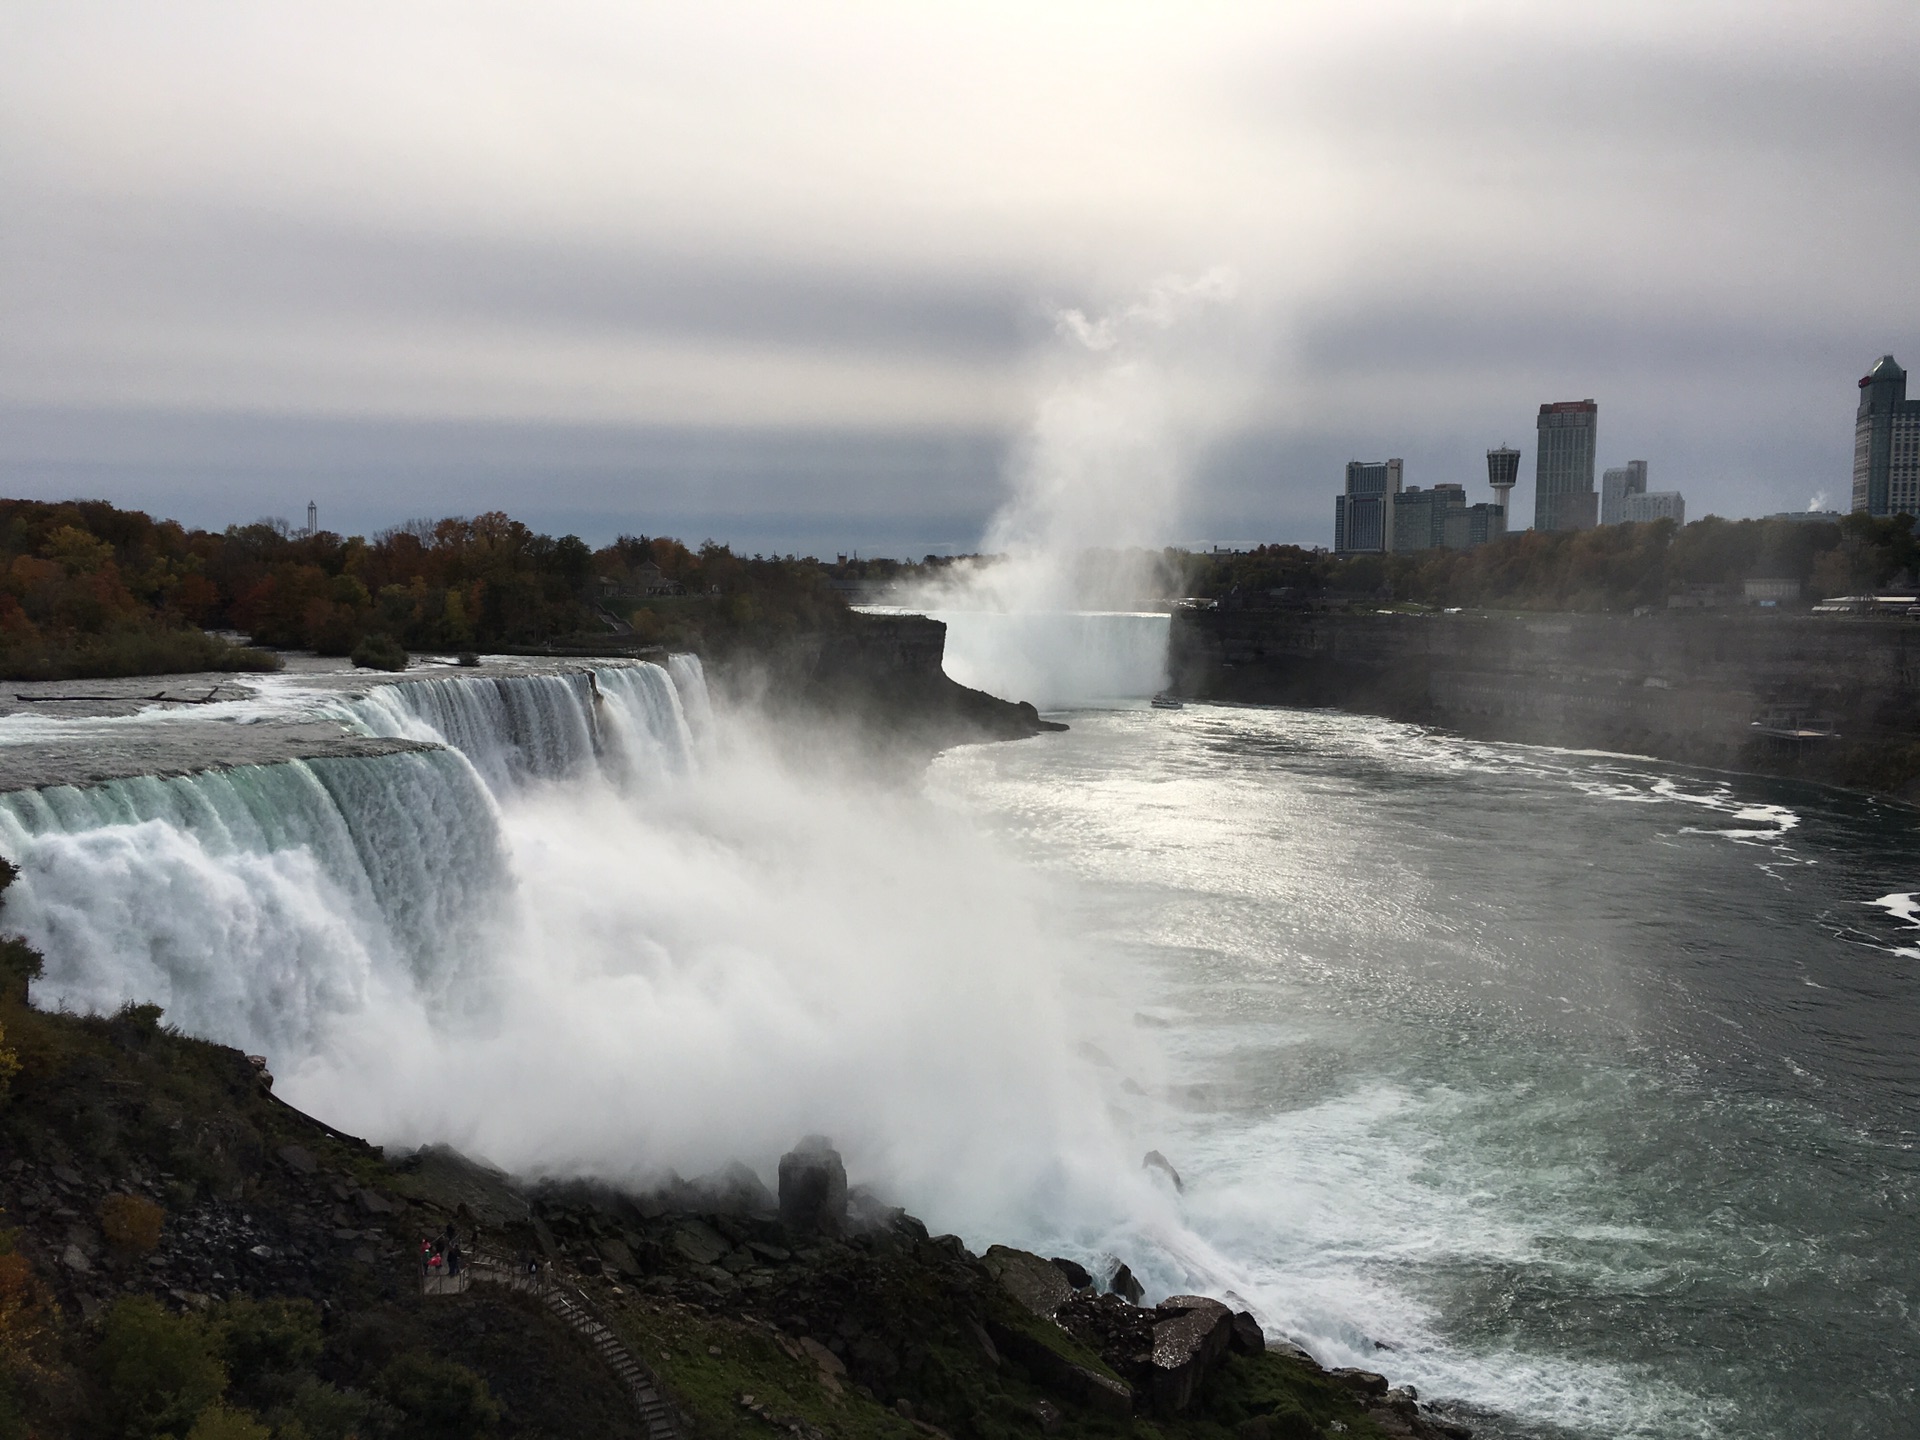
(1829, 698)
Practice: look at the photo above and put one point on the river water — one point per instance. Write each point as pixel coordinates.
(1582, 1088)
(1580, 1091)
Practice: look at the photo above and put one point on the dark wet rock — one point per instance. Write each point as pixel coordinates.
(455, 1182)
(298, 1159)
(734, 1189)
(1124, 1285)
(1154, 1160)
(1192, 1335)
(1072, 1382)
(1366, 1382)
(698, 1243)
(1248, 1338)
(618, 1257)
(1034, 1282)
(1075, 1272)
(813, 1188)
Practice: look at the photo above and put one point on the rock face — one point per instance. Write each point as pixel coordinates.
(1193, 1333)
(1075, 1272)
(813, 1188)
(1037, 1284)
(1248, 1337)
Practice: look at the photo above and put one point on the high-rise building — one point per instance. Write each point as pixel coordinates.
(1363, 515)
(1638, 509)
(1440, 519)
(1420, 516)
(1503, 473)
(1563, 497)
(1886, 444)
(1616, 485)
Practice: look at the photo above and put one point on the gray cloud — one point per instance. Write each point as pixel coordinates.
(717, 270)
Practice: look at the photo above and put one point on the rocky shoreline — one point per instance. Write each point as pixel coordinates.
(817, 1312)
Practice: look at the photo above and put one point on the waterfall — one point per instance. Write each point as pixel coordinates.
(253, 904)
(518, 729)
(514, 728)
(645, 727)
(1057, 659)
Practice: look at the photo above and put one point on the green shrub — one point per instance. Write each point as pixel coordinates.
(134, 650)
(438, 1399)
(318, 1411)
(380, 652)
(217, 1422)
(260, 1338)
(156, 1371)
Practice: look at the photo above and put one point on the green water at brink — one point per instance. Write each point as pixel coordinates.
(1588, 1084)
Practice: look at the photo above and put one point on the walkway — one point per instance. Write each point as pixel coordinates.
(571, 1306)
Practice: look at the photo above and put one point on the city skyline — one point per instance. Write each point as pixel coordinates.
(797, 280)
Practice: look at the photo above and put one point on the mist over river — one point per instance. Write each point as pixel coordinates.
(1579, 1090)
(1588, 1085)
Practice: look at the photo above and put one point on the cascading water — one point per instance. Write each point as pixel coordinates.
(522, 728)
(258, 904)
(254, 904)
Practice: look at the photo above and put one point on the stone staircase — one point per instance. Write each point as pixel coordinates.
(572, 1308)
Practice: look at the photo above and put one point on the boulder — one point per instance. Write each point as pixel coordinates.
(443, 1176)
(734, 1189)
(1154, 1160)
(1055, 1372)
(1034, 1282)
(298, 1159)
(813, 1188)
(1076, 1273)
(700, 1244)
(1125, 1286)
(829, 1365)
(1366, 1382)
(1248, 1338)
(1193, 1335)
(618, 1257)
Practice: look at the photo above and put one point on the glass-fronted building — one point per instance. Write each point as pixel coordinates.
(1563, 497)
(1363, 513)
(1886, 444)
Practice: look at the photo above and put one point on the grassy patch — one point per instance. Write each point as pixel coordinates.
(132, 651)
(679, 1345)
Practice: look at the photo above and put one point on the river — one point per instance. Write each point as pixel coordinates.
(1588, 1086)
(1578, 1090)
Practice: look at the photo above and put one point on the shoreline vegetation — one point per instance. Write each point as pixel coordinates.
(88, 589)
(184, 1255)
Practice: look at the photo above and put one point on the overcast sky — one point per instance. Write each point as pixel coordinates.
(785, 274)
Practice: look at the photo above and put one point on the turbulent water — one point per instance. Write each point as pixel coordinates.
(1586, 1087)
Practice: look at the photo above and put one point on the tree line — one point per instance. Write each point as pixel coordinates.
(89, 589)
(1610, 567)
